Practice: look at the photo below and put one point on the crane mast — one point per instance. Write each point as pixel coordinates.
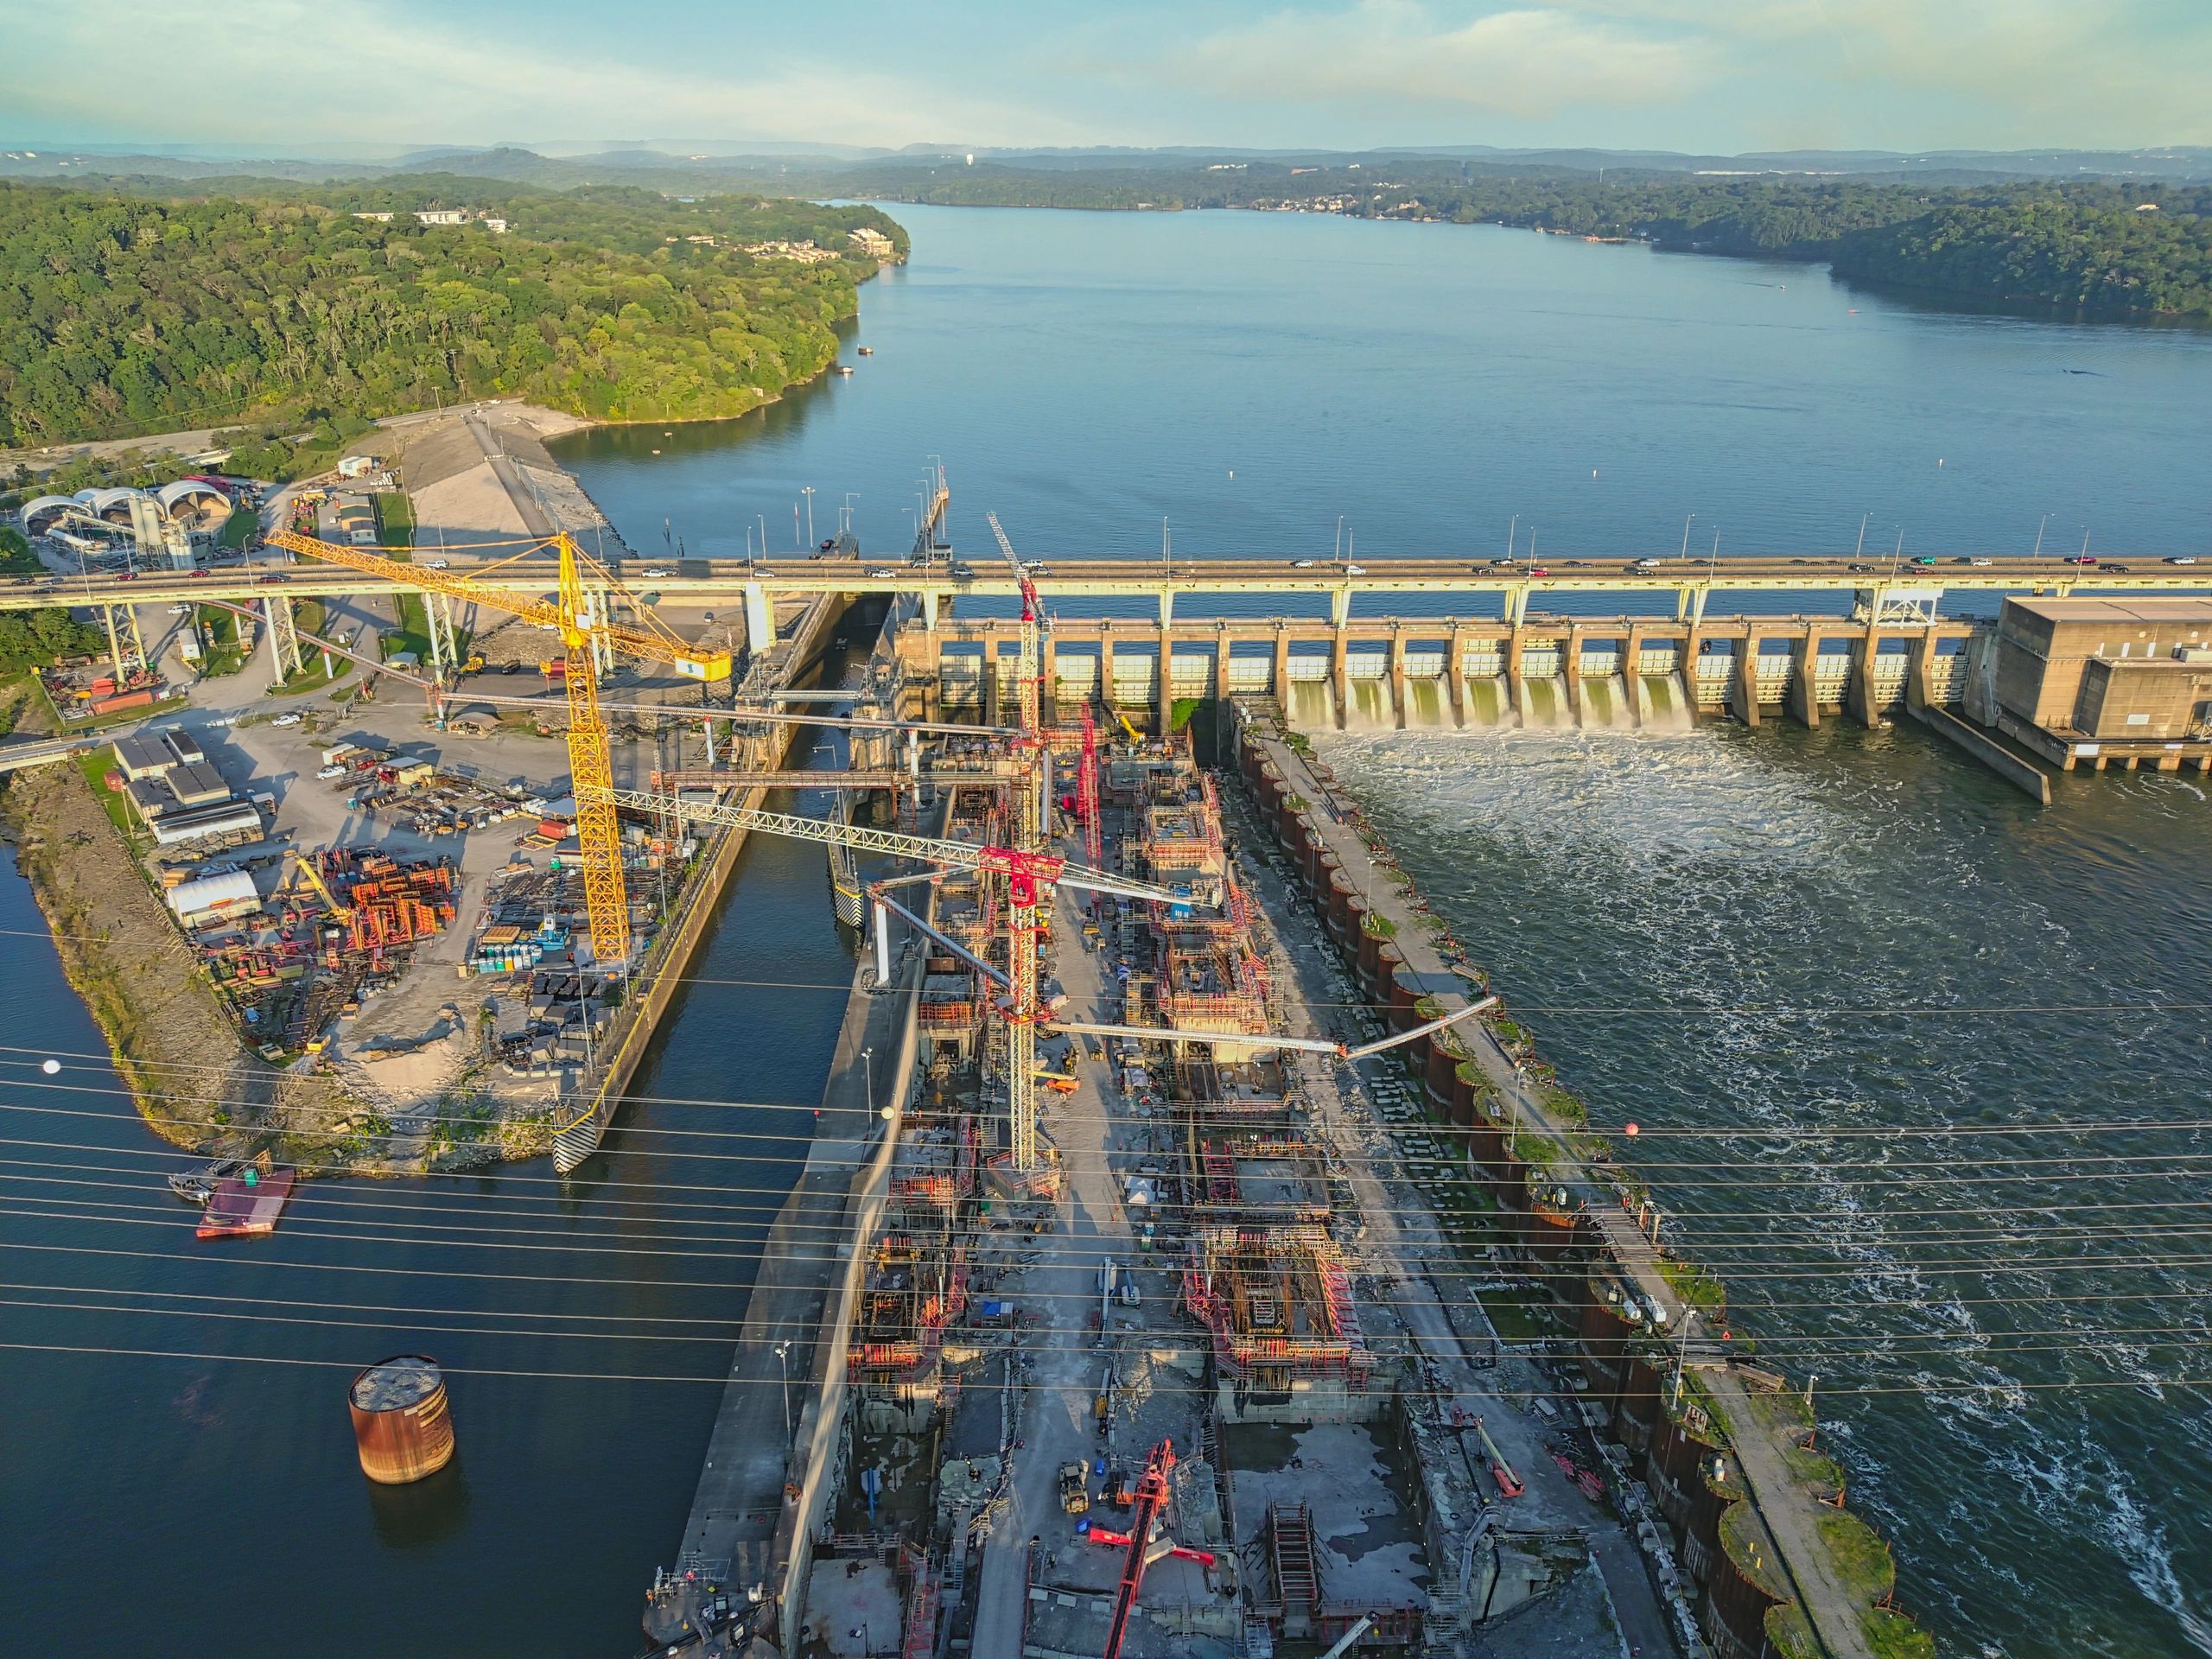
(1030, 819)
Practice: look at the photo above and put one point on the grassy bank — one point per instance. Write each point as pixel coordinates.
(171, 1044)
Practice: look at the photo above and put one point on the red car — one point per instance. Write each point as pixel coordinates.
(126, 575)
(1538, 570)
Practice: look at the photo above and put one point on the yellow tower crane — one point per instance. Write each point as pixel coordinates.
(581, 617)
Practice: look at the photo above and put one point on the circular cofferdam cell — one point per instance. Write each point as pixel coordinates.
(402, 1425)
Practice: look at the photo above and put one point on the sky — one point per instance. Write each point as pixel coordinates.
(298, 77)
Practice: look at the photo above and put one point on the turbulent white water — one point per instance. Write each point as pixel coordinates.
(1980, 1329)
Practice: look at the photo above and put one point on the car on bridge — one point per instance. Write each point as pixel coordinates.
(1302, 564)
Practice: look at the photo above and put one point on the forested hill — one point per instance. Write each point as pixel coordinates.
(128, 313)
(2105, 248)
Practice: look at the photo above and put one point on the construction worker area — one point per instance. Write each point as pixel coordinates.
(1119, 1398)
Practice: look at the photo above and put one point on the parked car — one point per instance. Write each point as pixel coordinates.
(1302, 564)
(285, 719)
(1355, 569)
(327, 772)
(438, 564)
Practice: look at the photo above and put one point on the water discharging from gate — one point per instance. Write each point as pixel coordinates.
(1369, 708)
(1547, 708)
(1663, 704)
(1427, 708)
(1311, 706)
(1490, 707)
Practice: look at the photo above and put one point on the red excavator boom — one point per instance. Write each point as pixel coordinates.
(1151, 1494)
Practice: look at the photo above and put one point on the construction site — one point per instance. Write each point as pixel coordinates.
(1123, 1360)
(1140, 1294)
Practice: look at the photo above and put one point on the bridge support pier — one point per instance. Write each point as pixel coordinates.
(1517, 686)
(1632, 676)
(1693, 648)
(1804, 698)
(1455, 676)
(438, 619)
(1747, 679)
(1398, 676)
(1339, 680)
(1163, 691)
(284, 636)
(930, 602)
(760, 618)
(1279, 680)
(1920, 674)
(1049, 693)
(1861, 699)
(1570, 670)
(1106, 671)
(992, 700)
(115, 643)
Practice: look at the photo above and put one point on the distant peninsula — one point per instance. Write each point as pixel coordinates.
(128, 307)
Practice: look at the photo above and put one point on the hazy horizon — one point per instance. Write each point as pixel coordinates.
(1692, 76)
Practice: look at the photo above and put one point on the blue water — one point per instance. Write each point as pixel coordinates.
(1248, 377)
(1087, 376)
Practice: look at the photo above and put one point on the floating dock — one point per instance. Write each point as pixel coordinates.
(246, 1206)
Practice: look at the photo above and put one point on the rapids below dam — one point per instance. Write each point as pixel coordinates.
(1833, 945)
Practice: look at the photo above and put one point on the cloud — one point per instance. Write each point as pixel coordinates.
(1530, 61)
(1993, 72)
(286, 72)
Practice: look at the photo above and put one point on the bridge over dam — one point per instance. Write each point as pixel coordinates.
(2085, 663)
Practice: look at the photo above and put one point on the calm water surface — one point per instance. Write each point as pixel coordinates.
(1249, 378)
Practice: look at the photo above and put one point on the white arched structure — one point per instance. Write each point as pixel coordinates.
(174, 501)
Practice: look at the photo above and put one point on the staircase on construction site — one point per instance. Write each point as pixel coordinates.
(1297, 1570)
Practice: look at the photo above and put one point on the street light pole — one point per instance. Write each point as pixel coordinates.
(783, 1364)
(868, 1066)
(807, 490)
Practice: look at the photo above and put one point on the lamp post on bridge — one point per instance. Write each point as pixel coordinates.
(783, 1364)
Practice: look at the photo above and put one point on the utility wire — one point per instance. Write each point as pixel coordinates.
(369, 1198)
(757, 1217)
(1084, 1390)
(1764, 1133)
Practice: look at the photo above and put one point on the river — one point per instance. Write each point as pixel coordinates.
(1249, 378)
